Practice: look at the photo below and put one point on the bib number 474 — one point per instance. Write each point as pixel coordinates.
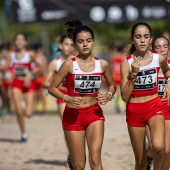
(86, 84)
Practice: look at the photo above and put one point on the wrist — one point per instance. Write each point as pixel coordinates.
(131, 76)
(133, 73)
(110, 95)
(67, 98)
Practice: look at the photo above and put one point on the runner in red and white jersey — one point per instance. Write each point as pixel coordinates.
(39, 76)
(23, 86)
(161, 46)
(66, 47)
(83, 119)
(139, 88)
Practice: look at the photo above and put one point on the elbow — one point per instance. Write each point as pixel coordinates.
(50, 90)
(125, 98)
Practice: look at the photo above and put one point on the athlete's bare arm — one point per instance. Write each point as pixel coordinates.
(166, 71)
(104, 98)
(108, 76)
(126, 86)
(62, 73)
(38, 65)
(50, 73)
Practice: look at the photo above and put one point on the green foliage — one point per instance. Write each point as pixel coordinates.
(105, 34)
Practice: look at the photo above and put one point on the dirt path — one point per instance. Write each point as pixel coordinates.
(45, 149)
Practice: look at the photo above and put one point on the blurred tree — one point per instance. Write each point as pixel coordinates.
(105, 33)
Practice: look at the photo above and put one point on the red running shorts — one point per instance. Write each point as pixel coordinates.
(78, 119)
(138, 114)
(19, 84)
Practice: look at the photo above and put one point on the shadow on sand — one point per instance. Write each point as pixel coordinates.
(9, 140)
(47, 162)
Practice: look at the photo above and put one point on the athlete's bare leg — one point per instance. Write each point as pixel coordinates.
(76, 144)
(94, 135)
(18, 97)
(137, 137)
(29, 100)
(157, 131)
(166, 160)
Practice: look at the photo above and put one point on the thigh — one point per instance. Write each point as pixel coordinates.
(137, 137)
(157, 130)
(17, 97)
(76, 145)
(148, 136)
(94, 136)
(29, 100)
(61, 108)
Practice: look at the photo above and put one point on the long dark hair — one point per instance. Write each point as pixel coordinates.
(132, 48)
(73, 27)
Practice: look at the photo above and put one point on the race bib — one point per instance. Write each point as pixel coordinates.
(161, 87)
(20, 71)
(87, 84)
(146, 80)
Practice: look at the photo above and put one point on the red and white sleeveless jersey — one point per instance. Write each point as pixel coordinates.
(147, 78)
(59, 62)
(21, 66)
(162, 82)
(84, 83)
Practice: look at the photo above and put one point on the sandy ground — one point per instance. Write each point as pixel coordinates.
(46, 150)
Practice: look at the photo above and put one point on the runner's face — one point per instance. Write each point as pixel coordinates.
(67, 47)
(20, 42)
(84, 43)
(4, 53)
(142, 39)
(161, 46)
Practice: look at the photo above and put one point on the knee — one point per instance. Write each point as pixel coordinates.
(158, 147)
(95, 160)
(28, 114)
(167, 154)
(19, 112)
(79, 166)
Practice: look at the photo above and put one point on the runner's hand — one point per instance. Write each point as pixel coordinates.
(103, 98)
(27, 80)
(75, 101)
(136, 65)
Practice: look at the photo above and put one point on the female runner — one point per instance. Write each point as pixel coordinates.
(66, 47)
(139, 87)
(161, 46)
(83, 117)
(23, 85)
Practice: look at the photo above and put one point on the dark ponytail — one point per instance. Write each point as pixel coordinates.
(73, 27)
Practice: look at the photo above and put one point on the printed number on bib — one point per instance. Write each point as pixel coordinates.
(146, 80)
(87, 84)
(161, 87)
(20, 71)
